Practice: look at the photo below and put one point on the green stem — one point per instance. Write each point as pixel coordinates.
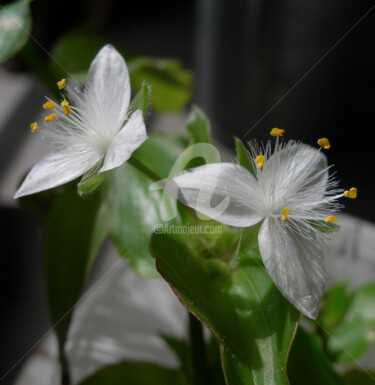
(198, 351)
(143, 169)
(65, 374)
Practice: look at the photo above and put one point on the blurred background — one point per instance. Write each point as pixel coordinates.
(304, 66)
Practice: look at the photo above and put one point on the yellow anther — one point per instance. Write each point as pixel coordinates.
(330, 219)
(277, 132)
(61, 84)
(49, 117)
(65, 107)
(260, 161)
(352, 193)
(285, 214)
(34, 127)
(324, 142)
(48, 105)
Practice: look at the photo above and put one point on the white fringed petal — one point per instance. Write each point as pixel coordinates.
(56, 169)
(222, 191)
(107, 87)
(294, 263)
(295, 169)
(132, 135)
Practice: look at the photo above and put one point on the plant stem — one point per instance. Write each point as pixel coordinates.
(143, 169)
(198, 351)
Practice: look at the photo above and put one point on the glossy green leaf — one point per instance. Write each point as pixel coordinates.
(133, 207)
(244, 310)
(128, 373)
(243, 156)
(308, 365)
(334, 305)
(356, 331)
(15, 25)
(198, 126)
(171, 84)
(359, 377)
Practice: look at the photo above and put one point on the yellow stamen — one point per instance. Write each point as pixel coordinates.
(260, 161)
(352, 193)
(48, 105)
(285, 214)
(65, 107)
(330, 219)
(49, 118)
(324, 142)
(34, 127)
(61, 84)
(277, 132)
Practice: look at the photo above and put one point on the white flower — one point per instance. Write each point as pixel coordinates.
(291, 194)
(89, 131)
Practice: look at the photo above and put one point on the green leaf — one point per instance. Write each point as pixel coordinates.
(243, 156)
(73, 233)
(133, 207)
(333, 306)
(198, 126)
(307, 363)
(90, 182)
(359, 377)
(171, 84)
(74, 52)
(15, 25)
(244, 310)
(141, 101)
(356, 331)
(160, 152)
(127, 373)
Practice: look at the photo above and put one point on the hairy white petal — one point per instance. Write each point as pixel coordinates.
(225, 192)
(294, 263)
(293, 170)
(56, 169)
(132, 135)
(107, 89)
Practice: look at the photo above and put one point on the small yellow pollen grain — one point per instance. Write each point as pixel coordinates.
(324, 142)
(65, 107)
(260, 161)
(330, 219)
(285, 214)
(277, 132)
(49, 117)
(352, 193)
(34, 126)
(48, 105)
(61, 84)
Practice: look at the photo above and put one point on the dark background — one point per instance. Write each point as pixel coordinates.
(292, 64)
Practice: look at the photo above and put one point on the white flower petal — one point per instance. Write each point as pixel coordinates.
(294, 169)
(294, 263)
(107, 88)
(225, 192)
(132, 135)
(56, 169)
